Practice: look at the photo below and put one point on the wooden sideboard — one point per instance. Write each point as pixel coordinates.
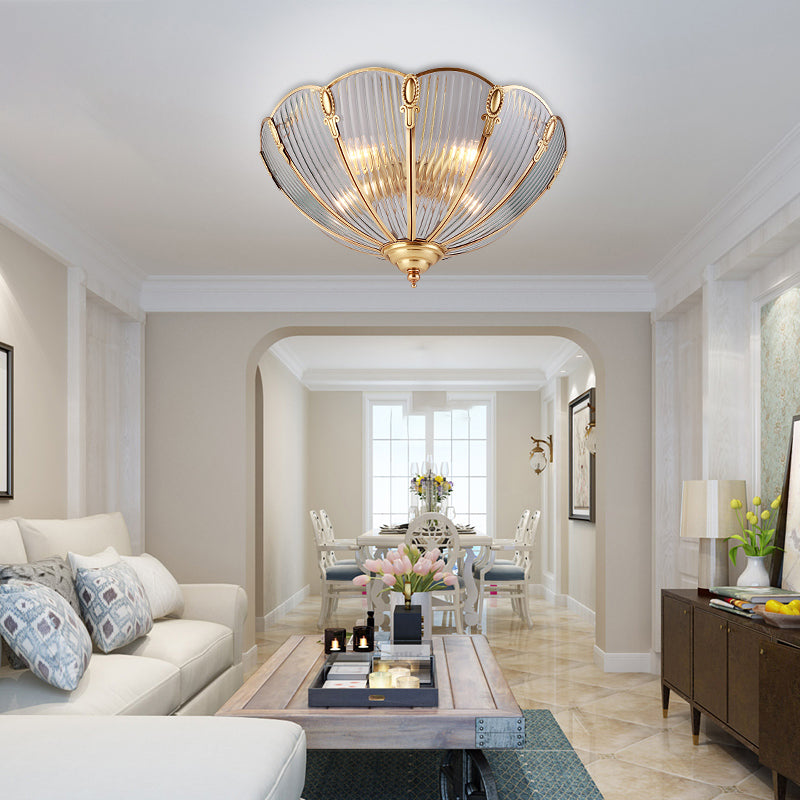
(742, 673)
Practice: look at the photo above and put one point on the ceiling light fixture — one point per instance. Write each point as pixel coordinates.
(413, 168)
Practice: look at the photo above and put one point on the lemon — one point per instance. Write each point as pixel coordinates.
(794, 604)
(774, 607)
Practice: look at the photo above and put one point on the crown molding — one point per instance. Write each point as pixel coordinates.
(353, 293)
(565, 352)
(27, 212)
(763, 194)
(284, 354)
(423, 380)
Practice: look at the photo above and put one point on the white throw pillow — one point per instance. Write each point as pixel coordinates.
(161, 588)
(106, 558)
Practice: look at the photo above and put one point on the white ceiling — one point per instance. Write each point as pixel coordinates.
(372, 363)
(138, 122)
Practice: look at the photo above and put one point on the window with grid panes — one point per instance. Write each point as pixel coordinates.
(458, 436)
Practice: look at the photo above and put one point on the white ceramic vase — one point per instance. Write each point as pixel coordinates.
(755, 573)
(417, 599)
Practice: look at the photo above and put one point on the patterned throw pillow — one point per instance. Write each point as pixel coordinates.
(55, 573)
(114, 605)
(41, 628)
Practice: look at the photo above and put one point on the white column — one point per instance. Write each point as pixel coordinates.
(76, 392)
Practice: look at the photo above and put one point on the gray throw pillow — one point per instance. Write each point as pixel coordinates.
(41, 627)
(114, 605)
(53, 572)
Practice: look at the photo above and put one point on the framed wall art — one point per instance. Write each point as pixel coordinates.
(581, 460)
(6, 420)
(785, 571)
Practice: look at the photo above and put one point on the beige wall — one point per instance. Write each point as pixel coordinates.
(518, 487)
(335, 461)
(201, 488)
(581, 558)
(288, 556)
(33, 320)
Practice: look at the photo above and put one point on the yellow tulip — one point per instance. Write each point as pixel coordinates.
(751, 517)
(765, 514)
(756, 501)
(735, 504)
(776, 502)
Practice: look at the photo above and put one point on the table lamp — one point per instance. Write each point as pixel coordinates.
(706, 514)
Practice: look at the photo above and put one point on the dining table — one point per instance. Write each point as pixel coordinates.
(375, 543)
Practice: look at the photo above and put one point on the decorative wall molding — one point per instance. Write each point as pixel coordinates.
(30, 214)
(422, 380)
(764, 193)
(385, 293)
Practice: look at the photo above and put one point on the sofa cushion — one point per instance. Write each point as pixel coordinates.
(162, 590)
(112, 684)
(52, 572)
(204, 758)
(41, 627)
(12, 549)
(200, 650)
(113, 605)
(105, 558)
(87, 535)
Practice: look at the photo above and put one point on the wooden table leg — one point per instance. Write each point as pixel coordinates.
(664, 699)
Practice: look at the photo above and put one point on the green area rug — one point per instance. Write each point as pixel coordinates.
(547, 768)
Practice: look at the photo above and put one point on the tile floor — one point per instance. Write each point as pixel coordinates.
(613, 720)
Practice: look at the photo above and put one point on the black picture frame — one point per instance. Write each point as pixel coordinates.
(790, 504)
(6, 420)
(581, 461)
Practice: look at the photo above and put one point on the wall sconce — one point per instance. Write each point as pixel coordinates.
(538, 456)
(590, 434)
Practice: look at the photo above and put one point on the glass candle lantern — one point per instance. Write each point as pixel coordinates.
(335, 640)
(363, 639)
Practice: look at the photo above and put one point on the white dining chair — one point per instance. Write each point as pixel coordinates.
(431, 531)
(328, 535)
(511, 577)
(336, 578)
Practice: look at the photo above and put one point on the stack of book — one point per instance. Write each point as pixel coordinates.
(742, 600)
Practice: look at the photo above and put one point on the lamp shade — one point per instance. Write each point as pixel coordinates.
(706, 511)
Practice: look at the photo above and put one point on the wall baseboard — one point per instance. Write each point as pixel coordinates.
(263, 623)
(250, 659)
(580, 610)
(544, 592)
(626, 662)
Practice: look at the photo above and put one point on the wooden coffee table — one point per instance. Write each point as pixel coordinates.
(476, 710)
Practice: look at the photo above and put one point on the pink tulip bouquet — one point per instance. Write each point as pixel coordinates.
(426, 572)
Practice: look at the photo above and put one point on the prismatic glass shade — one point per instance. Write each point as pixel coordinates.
(413, 168)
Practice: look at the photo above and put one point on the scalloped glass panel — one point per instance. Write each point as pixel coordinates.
(287, 180)
(448, 132)
(372, 130)
(313, 151)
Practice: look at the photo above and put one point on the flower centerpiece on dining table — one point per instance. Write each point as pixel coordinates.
(409, 570)
(431, 489)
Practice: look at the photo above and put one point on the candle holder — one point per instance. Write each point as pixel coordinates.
(335, 640)
(363, 639)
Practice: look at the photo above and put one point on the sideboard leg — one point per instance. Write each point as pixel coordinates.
(695, 725)
(664, 699)
(778, 786)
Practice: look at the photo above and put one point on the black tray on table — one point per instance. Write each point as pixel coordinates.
(427, 695)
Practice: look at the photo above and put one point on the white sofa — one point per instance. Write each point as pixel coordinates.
(126, 731)
(190, 665)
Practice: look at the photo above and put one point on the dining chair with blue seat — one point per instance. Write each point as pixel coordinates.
(336, 578)
(511, 577)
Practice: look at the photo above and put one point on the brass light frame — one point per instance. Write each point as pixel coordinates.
(537, 448)
(353, 192)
